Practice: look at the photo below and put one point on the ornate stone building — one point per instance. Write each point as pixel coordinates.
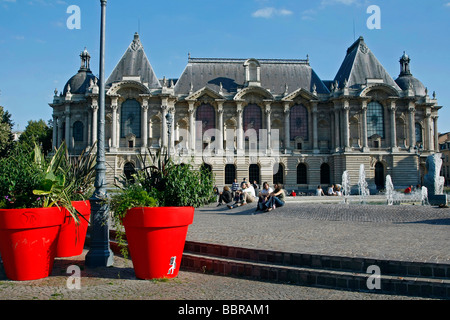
(265, 120)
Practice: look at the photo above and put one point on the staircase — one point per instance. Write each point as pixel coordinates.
(431, 280)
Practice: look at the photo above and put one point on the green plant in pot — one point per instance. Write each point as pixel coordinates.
(80, 176)
(155, 208)
(34, 198)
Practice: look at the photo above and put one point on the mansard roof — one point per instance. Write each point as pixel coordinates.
(228, 75)
(359, 65)
(133, 64)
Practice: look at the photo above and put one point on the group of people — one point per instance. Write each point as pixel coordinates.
(333, 190)
(266, 199)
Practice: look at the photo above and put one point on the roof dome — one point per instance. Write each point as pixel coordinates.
(406, 80)
(80, 82)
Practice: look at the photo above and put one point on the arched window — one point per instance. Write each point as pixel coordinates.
(302, 174)
(252, 118)
(299, 122)
(375, 119)
(206, 119)
(278, 173)
(230, 173)
(78, 129)
(325, 174)
(419, 136)
(253, 173)
(130, 118)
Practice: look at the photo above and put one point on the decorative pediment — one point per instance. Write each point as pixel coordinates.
(265, 94)
(206, 94)
(128, 87)
(300, 93)
(379, 91)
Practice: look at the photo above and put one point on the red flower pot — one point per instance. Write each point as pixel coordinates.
(156, 238)
(72, 236)
(28, 240)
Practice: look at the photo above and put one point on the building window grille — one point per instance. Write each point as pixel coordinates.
(299, 122)
(419, 136)
(252, 119)
(375, 119)
(206, 120)
(78, 129)
(130, 117)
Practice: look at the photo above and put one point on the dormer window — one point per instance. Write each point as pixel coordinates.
(252, 72)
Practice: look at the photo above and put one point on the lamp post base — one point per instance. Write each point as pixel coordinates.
(100, 254)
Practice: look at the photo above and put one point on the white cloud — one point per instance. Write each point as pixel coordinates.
(345, 2)
(447, 4)
(270, 12)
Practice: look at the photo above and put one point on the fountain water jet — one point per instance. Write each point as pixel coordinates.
(363, 186)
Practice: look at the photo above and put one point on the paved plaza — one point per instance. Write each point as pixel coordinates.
(406, 232)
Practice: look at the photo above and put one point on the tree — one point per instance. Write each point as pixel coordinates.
(6, 135)
(38, 132)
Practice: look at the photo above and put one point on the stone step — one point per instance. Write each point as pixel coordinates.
(387, 267)
(315, 277)
(344, 273)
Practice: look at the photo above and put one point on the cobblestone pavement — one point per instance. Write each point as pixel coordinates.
(397, 232)
(403, 232)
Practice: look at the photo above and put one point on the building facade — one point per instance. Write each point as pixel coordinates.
(266, 120)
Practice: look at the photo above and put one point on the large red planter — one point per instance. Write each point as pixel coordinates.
(28, 240)
(156, 238)
(72, 237)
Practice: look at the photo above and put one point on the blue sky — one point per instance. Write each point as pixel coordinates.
(39, 53)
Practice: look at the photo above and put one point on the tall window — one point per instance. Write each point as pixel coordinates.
(375, 119)
(206, 119)
(299, 122)
(252, 118)
(302, 176)
(419, 136)
(78, 129)
(130, 119)
(230, 173)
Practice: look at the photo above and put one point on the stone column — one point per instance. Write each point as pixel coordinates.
(392, 109)
(436, 133)
(68, 131)
(337, 144)
(192, 125)
(314, 125)
(240, 129)
(145, 123)
(428, 128)
(114, 108)
(94, 107)
(365, 141)
(268, 112)
(287, 123)
(164, 135)
(346, 126)
(412, 126)
(220, 125)
(55, 132)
